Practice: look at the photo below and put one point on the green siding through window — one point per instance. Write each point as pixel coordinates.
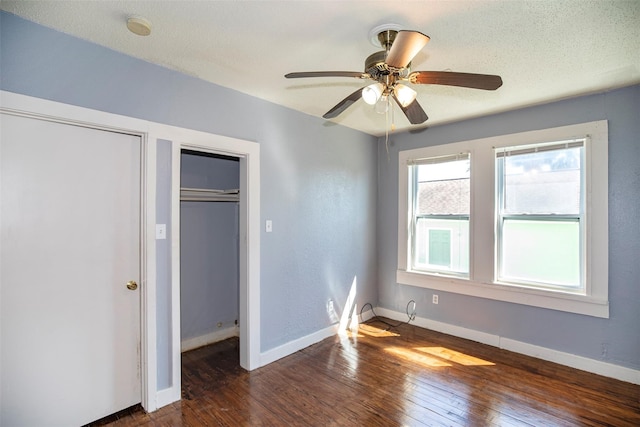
(440, 247)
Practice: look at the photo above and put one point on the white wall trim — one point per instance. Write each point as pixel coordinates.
(583, 363)
(291, 347)
(578, 362)
(176, 371)
(148, 298)
(168, 396)
(209, 338)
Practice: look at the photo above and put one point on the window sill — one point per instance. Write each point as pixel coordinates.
(553, 300)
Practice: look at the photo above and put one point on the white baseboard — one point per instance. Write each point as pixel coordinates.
(296, 345)
(578, 362)
(210, 338)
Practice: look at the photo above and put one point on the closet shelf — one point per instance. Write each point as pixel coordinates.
(208, 195)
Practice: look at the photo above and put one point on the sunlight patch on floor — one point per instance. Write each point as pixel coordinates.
(416, 357)
(454, 356)
(372, 331)
(437, 356)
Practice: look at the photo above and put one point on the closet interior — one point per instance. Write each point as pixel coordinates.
(209, 248)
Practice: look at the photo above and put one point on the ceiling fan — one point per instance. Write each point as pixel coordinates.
(391, 71)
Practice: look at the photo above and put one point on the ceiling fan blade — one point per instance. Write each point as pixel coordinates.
(343, 105)
(406, 45)
(413, 111)
(475, 81)
(355, 74)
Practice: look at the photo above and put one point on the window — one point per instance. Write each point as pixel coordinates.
(440, 215)
(521, 218)
(540, 215)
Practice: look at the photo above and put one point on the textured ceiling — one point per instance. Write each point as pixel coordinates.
(544, 50)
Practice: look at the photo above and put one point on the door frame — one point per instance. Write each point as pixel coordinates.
(150, 132)
(248, 154)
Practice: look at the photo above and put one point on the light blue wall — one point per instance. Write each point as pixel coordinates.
(163, 265)
(209, 252)
(615, 340)
(318, 180)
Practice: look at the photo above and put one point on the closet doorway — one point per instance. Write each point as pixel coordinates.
(243, 158)
(209, 248)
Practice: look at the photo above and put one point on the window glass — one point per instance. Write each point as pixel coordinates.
(541, 252)
(546, 182)
(540, 215)
(441, 203)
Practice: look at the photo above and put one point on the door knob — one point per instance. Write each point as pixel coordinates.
(132, 285)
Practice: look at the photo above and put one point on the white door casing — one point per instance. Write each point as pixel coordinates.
(70, 243)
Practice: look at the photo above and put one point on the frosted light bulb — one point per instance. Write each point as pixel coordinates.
(372, 93)
(405, 94)
(382, 106)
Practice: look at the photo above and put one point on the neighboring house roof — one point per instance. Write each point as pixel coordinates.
(444, 197)
(541, 193)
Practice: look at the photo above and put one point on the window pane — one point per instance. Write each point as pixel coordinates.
(546, 182)
(443, 188)
(541, 252)
(441, 215)
(442, 245)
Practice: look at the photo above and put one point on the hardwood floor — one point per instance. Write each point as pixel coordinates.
(408, 376)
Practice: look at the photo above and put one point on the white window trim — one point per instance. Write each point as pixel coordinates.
(481, 282)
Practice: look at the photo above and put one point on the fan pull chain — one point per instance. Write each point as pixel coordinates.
(393, 126)
(393, 115)
(386, 131)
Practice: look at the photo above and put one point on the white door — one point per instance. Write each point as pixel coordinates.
(70, 242)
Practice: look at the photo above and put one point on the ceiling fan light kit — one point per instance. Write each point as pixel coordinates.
(390, 69)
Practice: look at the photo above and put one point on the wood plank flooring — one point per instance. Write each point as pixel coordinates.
(408, 376)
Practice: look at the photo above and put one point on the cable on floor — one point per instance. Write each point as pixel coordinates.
(410, 314)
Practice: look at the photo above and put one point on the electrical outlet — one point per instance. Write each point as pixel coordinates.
(435, 299)
(330, 305)
(161, 231)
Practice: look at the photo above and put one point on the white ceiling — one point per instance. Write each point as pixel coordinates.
(543, 49)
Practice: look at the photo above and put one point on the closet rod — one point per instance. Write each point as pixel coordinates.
(208, 195)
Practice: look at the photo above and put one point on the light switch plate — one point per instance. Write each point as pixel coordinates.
(269, 226)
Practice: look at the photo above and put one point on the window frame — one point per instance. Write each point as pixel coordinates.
(501, 217)
(482, 281)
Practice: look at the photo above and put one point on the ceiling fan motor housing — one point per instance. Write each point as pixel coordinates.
(376, 66)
